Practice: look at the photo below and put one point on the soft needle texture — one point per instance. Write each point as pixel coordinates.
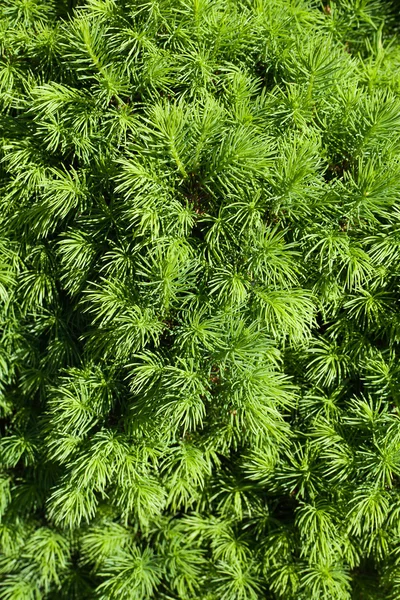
(199, 300)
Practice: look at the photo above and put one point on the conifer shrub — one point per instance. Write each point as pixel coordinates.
(199, 300)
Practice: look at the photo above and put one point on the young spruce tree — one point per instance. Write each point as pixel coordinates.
(199, 300)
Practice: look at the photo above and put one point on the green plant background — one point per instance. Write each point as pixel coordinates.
(199, 300)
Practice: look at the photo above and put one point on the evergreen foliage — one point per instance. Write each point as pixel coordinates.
(199, 300)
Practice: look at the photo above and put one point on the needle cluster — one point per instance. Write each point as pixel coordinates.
(199, 300)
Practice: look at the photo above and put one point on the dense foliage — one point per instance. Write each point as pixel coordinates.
(199, 300)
